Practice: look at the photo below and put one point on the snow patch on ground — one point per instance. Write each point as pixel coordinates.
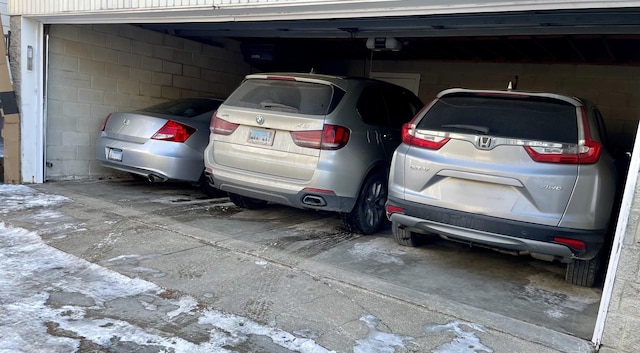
(464, 341)
(378, 341)
(21, 197)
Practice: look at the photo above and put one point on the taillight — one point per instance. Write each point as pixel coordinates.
(173, 131)
(586, 152)
(411, 137)
(331, 137)
(572, 243)
(393, 209)
(220, 126)
(104, 124)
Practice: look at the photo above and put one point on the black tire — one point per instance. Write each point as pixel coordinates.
(368, 214)
(583, 272)
(247, 202)
(404, 236)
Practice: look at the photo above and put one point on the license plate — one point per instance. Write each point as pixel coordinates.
(114, 154)
(261, 137)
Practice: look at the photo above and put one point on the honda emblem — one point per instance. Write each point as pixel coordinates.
(484, 142)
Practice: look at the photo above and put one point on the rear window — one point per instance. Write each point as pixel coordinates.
(522, 118)
(186, 108)
(284, 96)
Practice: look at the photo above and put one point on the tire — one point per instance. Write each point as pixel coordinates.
(583, 272)
(247, 202)
(404, 236)
(368, 214)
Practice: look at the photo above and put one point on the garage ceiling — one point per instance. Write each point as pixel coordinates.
(607, 37)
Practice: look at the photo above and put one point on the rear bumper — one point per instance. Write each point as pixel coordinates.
(277, 191)
(496, 232)
(181, 162)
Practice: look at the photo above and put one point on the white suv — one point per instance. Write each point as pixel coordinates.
(525, 172)
(310, 141)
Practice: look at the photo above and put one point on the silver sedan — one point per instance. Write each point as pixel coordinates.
(159, 143)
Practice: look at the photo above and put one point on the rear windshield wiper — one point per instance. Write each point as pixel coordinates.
(473, 128)
(278, 106)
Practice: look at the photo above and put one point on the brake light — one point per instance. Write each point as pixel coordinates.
(586, 152)
(104, 124)
(281, 78)
(413, 138)
(572, 243)
(221, 126)
(394, 209)
(173, 131)
(331, 137)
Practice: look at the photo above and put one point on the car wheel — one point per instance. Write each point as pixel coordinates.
(583, 272)
(404, 236)
(247, 202)
(368, 215)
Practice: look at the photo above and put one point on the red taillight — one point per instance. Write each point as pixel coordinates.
(319, 191)
(220, 126)
(410, 137)
(104, 124)
(331, 137)
(173, 131)
(572, 243)
(586, 152)
(393, 209)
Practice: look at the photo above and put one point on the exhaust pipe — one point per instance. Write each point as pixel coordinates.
(313, 200)
(153, 178)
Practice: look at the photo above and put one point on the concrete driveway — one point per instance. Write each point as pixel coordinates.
(261, 263)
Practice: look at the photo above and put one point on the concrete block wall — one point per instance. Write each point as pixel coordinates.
(98, 69)
(615, 89)
(623, 318)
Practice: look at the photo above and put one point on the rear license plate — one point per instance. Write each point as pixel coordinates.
(261, 137)
(114, 154)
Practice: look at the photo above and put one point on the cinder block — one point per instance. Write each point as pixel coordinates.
(100, 111)
(141, 75)
(61, 152)
(116, 99)
(104, 83)
(75, 168)
(142, 48)
(90, 36)
(131, 60)
(142, 101)
(173, 42)
(107, 55)
(63, 93)
(76, 110)
(77, 49)
(129, 86)
(149, 89)
(91, 67)
(117, 71)
(630, 338)
(182, 56)
(118, 43)
(171, 68)
(63, 62)
(191, 71)
(69, 32)
(90, 96)
(171, 92)
(183, 82)
(152, 64)
(72, 138)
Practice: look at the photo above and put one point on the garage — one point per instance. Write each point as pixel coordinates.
(99, 60)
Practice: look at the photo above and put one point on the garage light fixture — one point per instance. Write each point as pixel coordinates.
(383, 44)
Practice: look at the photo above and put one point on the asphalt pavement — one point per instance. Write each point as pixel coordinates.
(216, 278)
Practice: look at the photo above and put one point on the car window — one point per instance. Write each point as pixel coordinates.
(402, 105)
(529, 119)
(284, 96)
(371, 106)
(186, 108)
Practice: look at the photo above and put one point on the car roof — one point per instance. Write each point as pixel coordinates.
(338, 81)
(578, 102)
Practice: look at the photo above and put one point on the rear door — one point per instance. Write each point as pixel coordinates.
(279, 121)
(485, 168)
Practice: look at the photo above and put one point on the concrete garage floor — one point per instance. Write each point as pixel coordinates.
(519, 297)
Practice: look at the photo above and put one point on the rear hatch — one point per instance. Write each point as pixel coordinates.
(273, 125)
(475, 152)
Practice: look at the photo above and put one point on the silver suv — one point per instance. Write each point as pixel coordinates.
(310, 141)
(517, 171)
